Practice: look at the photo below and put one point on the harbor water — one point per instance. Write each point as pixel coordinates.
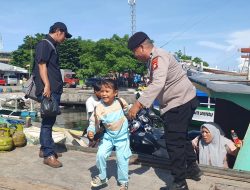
(71, 118)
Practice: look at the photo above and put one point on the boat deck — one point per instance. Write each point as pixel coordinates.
(22, 169)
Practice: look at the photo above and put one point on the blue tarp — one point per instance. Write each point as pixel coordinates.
(200, 93)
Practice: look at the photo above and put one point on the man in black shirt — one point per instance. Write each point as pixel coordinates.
(49, 82)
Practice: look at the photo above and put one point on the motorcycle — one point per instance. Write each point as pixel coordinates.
(147, 134)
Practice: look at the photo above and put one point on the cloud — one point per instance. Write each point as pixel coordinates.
(215, 45)
(240, 39)
(235, 40)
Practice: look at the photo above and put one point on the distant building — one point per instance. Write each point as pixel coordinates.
(5, 57)
(11, 69)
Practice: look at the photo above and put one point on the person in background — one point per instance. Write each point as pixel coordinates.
(48, 80)
(93, 100)
(169, 84)
(212, 146)
(110, 112)
(91, 103)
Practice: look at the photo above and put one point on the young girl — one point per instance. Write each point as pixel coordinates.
(110, 112)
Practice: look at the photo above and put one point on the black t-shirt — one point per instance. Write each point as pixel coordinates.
(45, 53)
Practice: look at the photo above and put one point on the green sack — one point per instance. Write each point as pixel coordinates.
(6, 143)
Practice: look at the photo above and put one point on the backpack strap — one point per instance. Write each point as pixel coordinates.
(51, 44)
(122, 105)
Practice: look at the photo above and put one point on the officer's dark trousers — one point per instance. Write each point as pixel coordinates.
(180, 149)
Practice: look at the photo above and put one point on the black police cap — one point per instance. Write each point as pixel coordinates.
(136, 39)
(61, 26)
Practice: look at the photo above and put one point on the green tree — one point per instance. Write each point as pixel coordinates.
(21, 58)
(183, 57)
(69, 54)
(198, 60)
(86, 57)
(106, 56)
(24, 55)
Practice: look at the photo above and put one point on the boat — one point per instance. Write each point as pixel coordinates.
(205, 111)
(33, 133)
(11, 121)
(232, 110)
(14, 111)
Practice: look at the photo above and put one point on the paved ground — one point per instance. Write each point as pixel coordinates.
(22, 169)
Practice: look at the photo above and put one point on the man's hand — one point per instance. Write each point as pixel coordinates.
(47, 91)
(90, 135)
(134, 110)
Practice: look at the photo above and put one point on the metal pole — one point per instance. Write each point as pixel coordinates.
(30, 61)
(248, 76)
(31, 54)
(132, 4)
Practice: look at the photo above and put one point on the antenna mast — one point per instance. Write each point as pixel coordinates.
(1, 43)
(132, 4)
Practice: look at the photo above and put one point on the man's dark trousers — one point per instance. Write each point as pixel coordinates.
(46, 140)
(179, 147)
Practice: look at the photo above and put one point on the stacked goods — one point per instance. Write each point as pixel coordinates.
(18, 136)
(6, 143)
(11, 134)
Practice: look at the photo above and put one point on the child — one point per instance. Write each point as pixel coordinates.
(93, 100)
(91, 103)
(110, 113)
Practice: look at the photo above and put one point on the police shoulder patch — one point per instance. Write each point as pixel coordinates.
(154, 63)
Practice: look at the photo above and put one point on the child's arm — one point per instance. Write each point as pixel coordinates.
(93, 125)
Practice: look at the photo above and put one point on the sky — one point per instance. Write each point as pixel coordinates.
(213, 30)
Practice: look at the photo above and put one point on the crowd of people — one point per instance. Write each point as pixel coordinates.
(107, 114)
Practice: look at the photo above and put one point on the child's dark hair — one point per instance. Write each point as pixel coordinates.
(97, 85)
(110, 83)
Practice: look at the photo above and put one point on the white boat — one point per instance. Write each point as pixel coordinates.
(32, 134)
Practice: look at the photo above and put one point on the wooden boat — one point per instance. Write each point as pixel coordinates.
(11, 121)
(232, 110)
(205, 111)
(16, 112)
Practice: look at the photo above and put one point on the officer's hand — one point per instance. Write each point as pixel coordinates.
(90, 135)
(134, 110)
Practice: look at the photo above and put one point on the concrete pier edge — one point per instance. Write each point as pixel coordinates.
(153, 161)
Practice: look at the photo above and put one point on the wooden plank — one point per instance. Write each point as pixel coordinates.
(245, 56)
(245, 50)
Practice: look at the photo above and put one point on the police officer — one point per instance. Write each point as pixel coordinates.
(48, 80)
(170, 85)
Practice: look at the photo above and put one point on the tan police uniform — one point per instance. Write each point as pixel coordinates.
(168, 82)
(177, 97)
(176, 94)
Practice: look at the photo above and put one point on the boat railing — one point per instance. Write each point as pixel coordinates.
(209, 105)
